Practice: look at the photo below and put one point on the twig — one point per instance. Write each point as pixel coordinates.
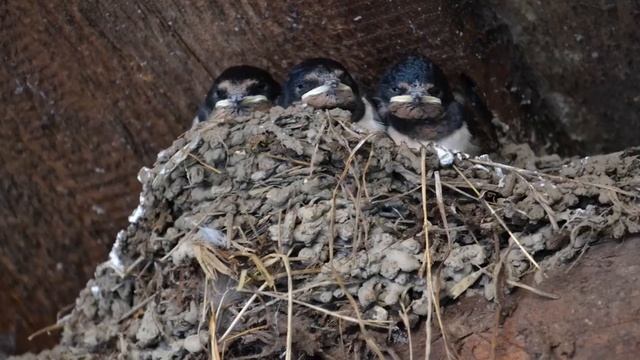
(137, 307)
(260, 266)
(427, 252)
(315, 148)
(205, 164)
(242, 311)
(344, 126)
(575, 262)
(405, 320)
(545, 205)
(396, 196)
(46, 329)
(356, 200)
(277, 276)
(456, 189)
(433, 302)
(205, 302)
(496, 289)
(372, 323)
(130, 268)
(280, 231)
(215, 350)
(524, 286)
(499, 219)
(332, 224)
(369, 340)
(245, 332)
(282, 158)
(295, 291)
(533, 290)
(553, 177)
(364, 174)
(184, 238)
(287, 267)
(443, 213)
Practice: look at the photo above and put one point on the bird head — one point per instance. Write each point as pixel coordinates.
(414, 89)
(321, 83)
(243, 88)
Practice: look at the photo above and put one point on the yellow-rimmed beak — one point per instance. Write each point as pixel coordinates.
(416, 106)
(242, 101)
(424, 99)
(331, 94)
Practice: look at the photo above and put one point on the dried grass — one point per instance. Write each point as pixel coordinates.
(259, 264)
(498, 219)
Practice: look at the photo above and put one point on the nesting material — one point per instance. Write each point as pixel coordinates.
(292, 232)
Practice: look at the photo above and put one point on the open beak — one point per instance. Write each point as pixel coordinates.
(416, 105)
(331, 94)
(253, 99)
(328, 88)
(238, 102)
(416, 99)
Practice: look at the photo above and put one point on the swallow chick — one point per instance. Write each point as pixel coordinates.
(326, 84)
(238, 90)
(417, 104)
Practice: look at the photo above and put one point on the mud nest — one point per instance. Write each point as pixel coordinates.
(291, 231)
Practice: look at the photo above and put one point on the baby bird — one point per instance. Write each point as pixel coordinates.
(237, 90)
(326, 84)
(418, 106)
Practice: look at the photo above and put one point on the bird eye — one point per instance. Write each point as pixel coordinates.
(299, 86)
(219, 93)
(258, 89)
(395, 89)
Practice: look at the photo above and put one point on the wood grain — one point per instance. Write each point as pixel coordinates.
(91, 90)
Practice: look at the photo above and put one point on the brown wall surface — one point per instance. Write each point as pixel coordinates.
(91, 90)
(585, 57)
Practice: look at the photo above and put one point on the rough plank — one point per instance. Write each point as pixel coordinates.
(91, 90)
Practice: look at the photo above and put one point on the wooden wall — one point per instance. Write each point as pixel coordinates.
(91, 90)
